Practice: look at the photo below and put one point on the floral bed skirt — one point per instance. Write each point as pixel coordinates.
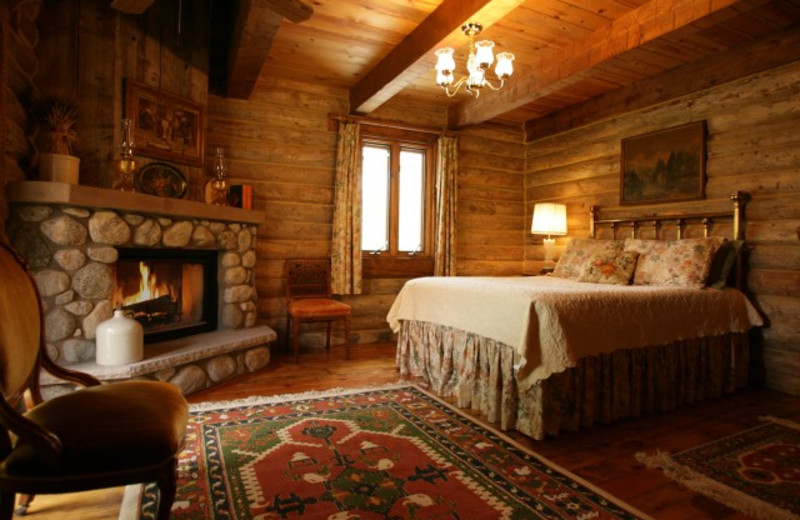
(479, 373)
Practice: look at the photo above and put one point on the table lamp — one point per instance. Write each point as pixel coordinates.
(549, 218)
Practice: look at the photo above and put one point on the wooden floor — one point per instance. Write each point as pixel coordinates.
(603, 455)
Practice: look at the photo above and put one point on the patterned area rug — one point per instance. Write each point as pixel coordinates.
(386, 453)
(756, 471)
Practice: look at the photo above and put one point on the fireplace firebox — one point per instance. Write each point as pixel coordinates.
(171, 292)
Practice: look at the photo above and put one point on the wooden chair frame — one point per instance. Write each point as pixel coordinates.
(317, 286)
(48, 444)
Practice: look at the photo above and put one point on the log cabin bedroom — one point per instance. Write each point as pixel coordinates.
(462, 259)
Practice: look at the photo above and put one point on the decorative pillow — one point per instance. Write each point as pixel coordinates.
(580, 251)
(724, 260)
(613, 270)
(683, 262)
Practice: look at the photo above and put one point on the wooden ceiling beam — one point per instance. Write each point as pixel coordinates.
(559, 68)
(413, 56)
(764, 54)
(256, 25)
(131, 6)
(293, 10)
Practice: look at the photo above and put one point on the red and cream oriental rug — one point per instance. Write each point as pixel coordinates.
(382, 453)
(756, 471)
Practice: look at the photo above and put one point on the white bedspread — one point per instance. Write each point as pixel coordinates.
(553, 322)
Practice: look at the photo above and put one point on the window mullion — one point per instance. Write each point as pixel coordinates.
(394, 203)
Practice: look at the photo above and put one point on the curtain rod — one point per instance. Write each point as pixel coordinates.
(389, 124)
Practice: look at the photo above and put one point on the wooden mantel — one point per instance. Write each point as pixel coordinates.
(45, 192)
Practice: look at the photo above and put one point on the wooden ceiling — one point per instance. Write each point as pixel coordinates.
(568, 52)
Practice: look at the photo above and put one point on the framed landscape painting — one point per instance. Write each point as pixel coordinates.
(664, 166)
(165, 126)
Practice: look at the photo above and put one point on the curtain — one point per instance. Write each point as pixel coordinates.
(346, 237)
(444, 249)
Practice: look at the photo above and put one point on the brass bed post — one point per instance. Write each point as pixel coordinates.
(739, 199)
(592, 217)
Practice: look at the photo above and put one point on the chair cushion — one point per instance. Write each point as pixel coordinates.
(317, 307)
(109, 427)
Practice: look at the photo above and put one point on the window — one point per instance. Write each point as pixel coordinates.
(397, 186)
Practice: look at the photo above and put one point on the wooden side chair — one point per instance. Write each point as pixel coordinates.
(97, 436)
(308, 293)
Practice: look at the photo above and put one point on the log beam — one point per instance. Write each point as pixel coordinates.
(293, 10)
(766, 53)
(257, 23)
(131, 6)
(413, 56)
(560, 68)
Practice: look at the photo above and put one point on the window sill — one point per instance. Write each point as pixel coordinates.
(377, 266)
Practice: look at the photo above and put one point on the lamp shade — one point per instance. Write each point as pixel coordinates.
(549, 218)
(505, 65)
(445, 61)
(483, 53)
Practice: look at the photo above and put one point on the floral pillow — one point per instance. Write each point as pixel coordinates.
(683, 262)
(580, 252)
(613, 270)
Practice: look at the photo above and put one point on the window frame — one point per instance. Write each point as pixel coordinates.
(392, 263)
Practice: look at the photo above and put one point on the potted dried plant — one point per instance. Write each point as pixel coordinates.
(59, 138)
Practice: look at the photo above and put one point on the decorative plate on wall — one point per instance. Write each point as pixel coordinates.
(162, 180)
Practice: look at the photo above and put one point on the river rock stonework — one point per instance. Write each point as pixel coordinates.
(72, 251)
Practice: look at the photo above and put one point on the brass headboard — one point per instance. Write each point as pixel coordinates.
(654, 222)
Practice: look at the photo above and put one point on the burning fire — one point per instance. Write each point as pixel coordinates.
(150, 287)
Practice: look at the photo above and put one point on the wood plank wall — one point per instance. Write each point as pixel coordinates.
(491, 209)
(753, 146)
(279, 141)
(18, 67)
(90, 49)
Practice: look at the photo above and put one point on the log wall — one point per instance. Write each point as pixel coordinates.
(19, 38)
(279, 141)
(90, 49)
(491, 209)
(753, 146)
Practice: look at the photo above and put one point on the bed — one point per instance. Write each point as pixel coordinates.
(622, 327)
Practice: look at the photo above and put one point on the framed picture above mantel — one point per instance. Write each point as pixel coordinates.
(664, 166)
(165, 126)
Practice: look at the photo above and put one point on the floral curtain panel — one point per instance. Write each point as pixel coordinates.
(346, 237)
(445, 233)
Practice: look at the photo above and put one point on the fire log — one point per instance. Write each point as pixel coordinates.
(157, 306)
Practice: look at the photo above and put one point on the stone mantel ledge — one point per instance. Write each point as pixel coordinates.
(44, 192)
(176, 352)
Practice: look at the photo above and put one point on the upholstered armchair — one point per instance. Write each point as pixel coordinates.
(100, 435)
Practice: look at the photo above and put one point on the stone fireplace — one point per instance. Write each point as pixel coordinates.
(78, 239)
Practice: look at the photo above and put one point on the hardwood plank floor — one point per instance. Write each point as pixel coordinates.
(603, 455)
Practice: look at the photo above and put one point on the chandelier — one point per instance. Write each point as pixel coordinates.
(480, 58)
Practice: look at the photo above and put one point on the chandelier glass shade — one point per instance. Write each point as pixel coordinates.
(481, 57)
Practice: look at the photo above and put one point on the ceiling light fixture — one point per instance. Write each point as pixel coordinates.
(480, 58)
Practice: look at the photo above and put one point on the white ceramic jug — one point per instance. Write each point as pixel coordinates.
(120, 340)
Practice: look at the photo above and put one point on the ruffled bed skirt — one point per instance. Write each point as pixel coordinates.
(479, 373)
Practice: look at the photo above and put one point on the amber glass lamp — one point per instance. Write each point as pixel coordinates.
(216, 191)
(126, 166)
